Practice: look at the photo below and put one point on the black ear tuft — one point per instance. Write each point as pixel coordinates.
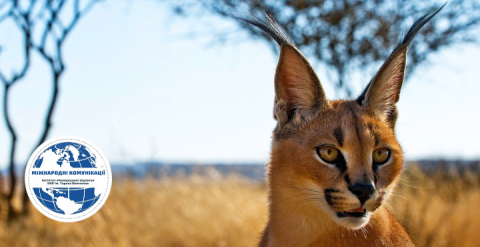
(299, 96)
(416, 26)
(269, 26)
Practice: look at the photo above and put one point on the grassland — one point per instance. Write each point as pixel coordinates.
(437, 210)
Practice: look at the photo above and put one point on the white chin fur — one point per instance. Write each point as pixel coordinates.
(349, 222)
(353, 222)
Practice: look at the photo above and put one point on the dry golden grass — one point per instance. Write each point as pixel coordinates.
(437, 210)
(172, 212)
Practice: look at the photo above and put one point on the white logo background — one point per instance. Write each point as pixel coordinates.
(68, 179)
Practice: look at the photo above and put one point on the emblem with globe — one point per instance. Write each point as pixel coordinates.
(64, 187)
(67, 200)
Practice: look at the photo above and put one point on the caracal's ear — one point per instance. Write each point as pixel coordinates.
(381, 95)
(298, 92)
(299, 95)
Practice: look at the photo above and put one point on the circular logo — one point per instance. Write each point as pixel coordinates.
(68, 179)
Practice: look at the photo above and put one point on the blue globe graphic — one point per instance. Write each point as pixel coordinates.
(74, 154)
(67, 201)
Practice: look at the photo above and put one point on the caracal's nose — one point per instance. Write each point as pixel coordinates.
(362, 191)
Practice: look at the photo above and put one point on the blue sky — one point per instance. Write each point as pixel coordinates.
(140, 90)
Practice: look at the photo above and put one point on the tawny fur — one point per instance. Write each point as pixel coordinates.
(309, 197)
(297, 180)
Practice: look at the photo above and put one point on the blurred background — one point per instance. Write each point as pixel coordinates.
(179, 97)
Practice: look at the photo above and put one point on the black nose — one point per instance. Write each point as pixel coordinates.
(362, 191)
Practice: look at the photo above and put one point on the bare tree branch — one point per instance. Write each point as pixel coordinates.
(349, 36)
(44, 17)
(55, 60)
(22, 21)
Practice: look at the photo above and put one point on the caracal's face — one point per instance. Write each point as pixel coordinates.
(344, 163)
(337, 160)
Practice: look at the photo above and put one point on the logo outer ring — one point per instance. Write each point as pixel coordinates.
(35, 201)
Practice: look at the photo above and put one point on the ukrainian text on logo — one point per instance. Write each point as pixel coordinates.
(68, 179)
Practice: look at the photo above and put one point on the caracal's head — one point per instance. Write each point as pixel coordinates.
(338, 159)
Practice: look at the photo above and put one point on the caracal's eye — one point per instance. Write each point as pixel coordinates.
(381, 155)
(328, 154)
